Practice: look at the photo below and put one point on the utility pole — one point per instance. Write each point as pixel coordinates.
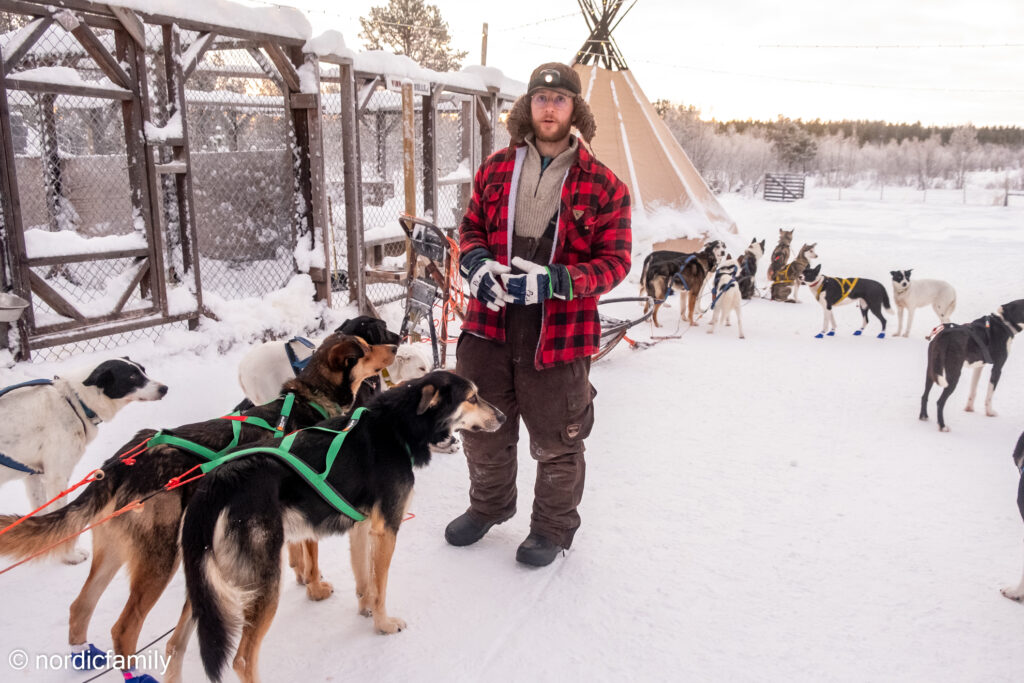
(483, 47)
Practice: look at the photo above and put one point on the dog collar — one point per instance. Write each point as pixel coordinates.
(90, 414)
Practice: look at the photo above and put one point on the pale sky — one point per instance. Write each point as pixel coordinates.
(937, 61)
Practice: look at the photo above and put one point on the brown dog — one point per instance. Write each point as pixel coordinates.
(664, 270)
(147, 541)
(787, 279)
(780, 255)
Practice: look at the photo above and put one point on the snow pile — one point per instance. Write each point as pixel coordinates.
(274, 20)
(330, 43)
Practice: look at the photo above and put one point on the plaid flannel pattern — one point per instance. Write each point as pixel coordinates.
(594, 241)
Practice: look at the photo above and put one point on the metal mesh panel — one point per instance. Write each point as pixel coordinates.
(242, 175)
(113, 341)
(380, 130)
(334, 184)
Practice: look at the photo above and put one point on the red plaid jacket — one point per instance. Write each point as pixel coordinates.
(593, 241)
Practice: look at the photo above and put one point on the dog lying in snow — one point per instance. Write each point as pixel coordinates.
(46, 426)
(913, 295)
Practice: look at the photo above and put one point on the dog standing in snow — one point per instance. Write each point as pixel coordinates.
(913, 295)
(46, 425)
(1018, 460)
(830, 292)
(725, 295)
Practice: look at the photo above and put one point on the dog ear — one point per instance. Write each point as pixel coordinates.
(429, 397)
(907, 272)
(100, 377)
(344, 351)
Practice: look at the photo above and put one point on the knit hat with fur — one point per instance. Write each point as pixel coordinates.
(554, 76)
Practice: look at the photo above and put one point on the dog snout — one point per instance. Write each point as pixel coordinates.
(162, 390)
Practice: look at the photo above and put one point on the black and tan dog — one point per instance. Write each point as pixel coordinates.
(830, 292)
(147, 540)
(780, 255)
(1018, 460)
(748, 268)
(664, 270)
(786, 280)
(246, 509)
(985, 341)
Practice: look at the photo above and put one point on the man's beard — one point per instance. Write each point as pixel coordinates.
(560, 134)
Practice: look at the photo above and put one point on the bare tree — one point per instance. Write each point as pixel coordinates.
(963, 143)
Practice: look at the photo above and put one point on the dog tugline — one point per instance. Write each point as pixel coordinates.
(547, 231)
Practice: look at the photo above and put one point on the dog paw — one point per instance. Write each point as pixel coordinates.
(831, 333)
(991, 413)
(319, 590)
(857, 333)
(943, 429)
(1014, 594)
(968, 408)
(389, 625)
(881, 335)
(820, 335)
(365, 606)
(75, 556)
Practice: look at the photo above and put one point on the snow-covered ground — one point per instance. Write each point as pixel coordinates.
(758, 509)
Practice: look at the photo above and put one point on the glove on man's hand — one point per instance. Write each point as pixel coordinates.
(483, 274)
(537, 284)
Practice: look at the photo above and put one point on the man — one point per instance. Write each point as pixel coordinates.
(546, 232)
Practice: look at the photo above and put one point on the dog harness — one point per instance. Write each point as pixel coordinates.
(237, 419)
(715, 292)
(293, 360)
(8, 461)
(846, 286)
(782, 273)
(678, 276)
(318, 480)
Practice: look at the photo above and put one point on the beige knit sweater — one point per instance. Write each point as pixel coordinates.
(540, 191)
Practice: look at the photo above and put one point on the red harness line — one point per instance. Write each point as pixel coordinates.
(96, 475)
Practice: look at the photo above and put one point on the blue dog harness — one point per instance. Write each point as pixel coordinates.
(298, 365)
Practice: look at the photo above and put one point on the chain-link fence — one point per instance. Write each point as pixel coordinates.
(242, 174)
(74, 177)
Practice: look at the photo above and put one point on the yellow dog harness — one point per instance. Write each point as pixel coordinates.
(846, 286)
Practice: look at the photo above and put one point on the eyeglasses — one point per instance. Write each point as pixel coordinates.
(555, 100)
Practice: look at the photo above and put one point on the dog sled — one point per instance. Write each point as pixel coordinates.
(440, 285)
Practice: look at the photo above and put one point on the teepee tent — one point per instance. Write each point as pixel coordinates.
(632, 139)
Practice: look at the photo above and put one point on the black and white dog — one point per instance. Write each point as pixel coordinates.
(45, 425)
(985, 341)
(748, 267)
(909, 296)
(830, 292)
(1018, 460)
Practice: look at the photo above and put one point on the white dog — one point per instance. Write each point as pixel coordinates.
(45, 426)
(725, 294)
(912, 295)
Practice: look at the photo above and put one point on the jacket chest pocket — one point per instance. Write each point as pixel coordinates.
(580, 229)
(491, 202)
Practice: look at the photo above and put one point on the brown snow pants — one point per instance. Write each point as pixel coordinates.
(556, 404)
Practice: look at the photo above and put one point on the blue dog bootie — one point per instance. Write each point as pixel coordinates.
(831, 333)
(132, 677)
(819, 336)
(881, 335)
(857, 333)
(89, 658)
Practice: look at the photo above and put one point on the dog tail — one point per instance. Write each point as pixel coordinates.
(885, 301)
(214, 600)
(643, 276)
(41, 530)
